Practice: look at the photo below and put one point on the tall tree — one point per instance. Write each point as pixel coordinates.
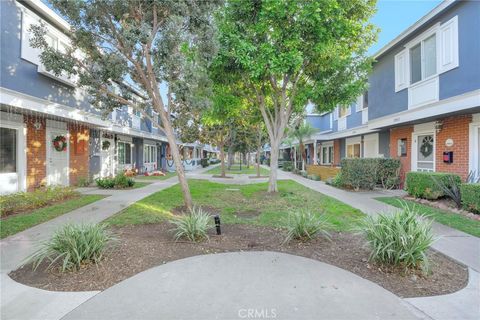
(125, 48)
(289, 52)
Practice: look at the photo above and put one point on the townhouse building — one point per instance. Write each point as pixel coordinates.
(423, 101)
(49, 132)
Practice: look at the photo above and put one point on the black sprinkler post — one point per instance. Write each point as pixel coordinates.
(217, 224)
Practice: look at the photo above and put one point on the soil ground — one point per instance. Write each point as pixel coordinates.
(140, 247)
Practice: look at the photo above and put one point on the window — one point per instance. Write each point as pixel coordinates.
(124, 153)
(327, 154)
(8, 150)
(149, 154)
(353, 150)
(402, 147)
(343, 111)
(423, 59)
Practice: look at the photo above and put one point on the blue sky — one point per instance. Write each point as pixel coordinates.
(394, 16)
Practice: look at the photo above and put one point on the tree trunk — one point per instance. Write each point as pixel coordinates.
(222, 161)
(272, 181)
(187, 197)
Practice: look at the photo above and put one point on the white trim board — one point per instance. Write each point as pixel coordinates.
(474, 144)
(346, 133)
(454, 104)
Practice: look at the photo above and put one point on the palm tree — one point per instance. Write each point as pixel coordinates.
(301, 133)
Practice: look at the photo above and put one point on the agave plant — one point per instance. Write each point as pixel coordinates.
(193, 226)
(305, 225)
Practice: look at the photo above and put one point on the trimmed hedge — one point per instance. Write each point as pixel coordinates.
(204, 162)
(471, 196)
(287, 166)
(422, 185)
(367, 173)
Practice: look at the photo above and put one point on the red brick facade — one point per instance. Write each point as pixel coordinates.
(457, 129)
(79, 151)
(36, 152)
(397, 134)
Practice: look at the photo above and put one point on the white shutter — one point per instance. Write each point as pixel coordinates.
(335, 113)
(402, 77)
(448, 45)
(28, 52)
(359, 104)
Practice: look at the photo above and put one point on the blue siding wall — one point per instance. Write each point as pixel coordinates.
(383, 100)
(466, 77)
(22, 76)
(354, 119)
(320, 122)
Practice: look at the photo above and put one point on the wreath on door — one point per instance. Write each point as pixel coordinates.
(426, 148)
(60, 143)
(105, 145)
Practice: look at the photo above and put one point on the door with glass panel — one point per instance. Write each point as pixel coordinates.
(425, 152)
(9, 173)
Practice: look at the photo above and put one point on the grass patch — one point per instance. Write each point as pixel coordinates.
(19, 222)
(453, 220)
(155, 178)
(273, 210)
(139, 184)
(235, 169)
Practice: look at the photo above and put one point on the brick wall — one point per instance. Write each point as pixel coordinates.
(457, 129)
(36, 153)
(336, 152)
(79, 151)
(395, 135)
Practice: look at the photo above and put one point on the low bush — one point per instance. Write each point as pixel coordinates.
(336, 181)
(304, 225)
(303, 173)
(73, 246)
(359, 173)
(83, 182)
(287, 166)
(388, 172)
(314, 177)
(204, 162)
(427, 184)
(193, 226)
(399, 239)
(25, 201)
(120, 181)
(471, 197)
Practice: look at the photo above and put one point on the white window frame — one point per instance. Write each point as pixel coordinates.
(474, 142)
(327, 146)
(131, 153)
(350, 142)
(150, 153)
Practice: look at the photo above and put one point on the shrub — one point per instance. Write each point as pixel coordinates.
(388, 172)
(83, 182)
(473, 177)
(399, 239)
(359, 173)
(422, 184)
(204, 162)
(336, 181)
(450, 188)
(24, 201)
(193, 226)
(73, 246)
(287, 166)
(303, 173)
(120, 181)
(314, 177)
(304, 225)
(471, 197)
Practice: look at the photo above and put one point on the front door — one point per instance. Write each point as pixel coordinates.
(107, 157)
(57, 157)
(423, 152)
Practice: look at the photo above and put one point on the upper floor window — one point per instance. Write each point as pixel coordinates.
(431, 53)
(423, 59)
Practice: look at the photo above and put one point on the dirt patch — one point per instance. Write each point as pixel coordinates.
(141, 247)
(7, 214)
(445, 205)
(248, 214)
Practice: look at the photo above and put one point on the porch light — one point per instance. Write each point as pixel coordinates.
(438, 126)
(37, 125)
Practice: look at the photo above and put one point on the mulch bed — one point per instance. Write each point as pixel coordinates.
(141, 247)
(8, 214)
(445, 205)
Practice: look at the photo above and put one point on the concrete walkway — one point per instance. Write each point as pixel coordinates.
(244, 285)
(455, 244)
(23, 302)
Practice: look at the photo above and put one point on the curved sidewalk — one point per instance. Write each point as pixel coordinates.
(244, 285)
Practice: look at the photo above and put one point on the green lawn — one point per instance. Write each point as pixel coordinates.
(155, 178)
(139, 184)
(19, 222)
(273, 209)
(453, 220)
(236, 170)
